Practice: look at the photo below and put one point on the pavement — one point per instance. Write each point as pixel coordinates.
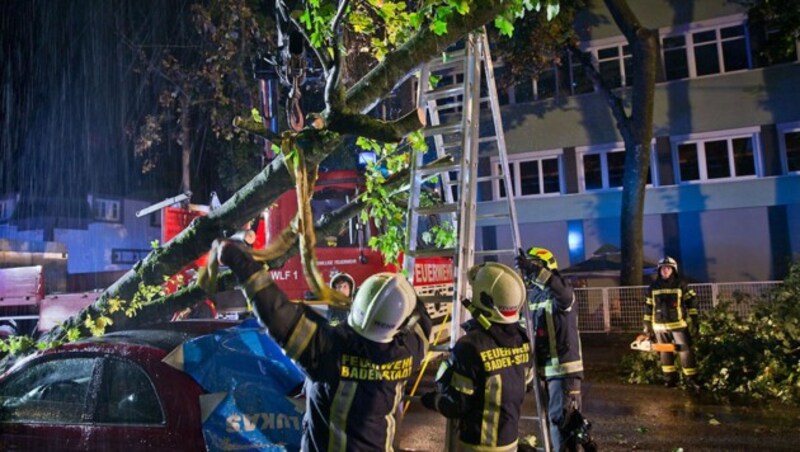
(629, 417)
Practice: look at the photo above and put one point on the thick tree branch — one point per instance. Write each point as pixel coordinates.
(422, 47)
(624, 17)
(369, 127)
(614, 102)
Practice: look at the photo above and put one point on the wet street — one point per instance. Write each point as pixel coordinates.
(643, 417)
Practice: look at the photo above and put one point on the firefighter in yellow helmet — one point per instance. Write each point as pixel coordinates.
(482, 383)
(356, 370)
(554, 319)
(667, 306)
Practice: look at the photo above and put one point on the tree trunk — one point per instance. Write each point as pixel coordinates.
(637, 133)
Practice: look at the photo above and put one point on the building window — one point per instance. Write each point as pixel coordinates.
(579, 82)
(706, 52)
(716, 158)
(605, 169)
(107, 210)
(676, 64)
(615, 65)
(540, 176)
(5, 210)
(537, 176)
(790, 148)
(500, 186)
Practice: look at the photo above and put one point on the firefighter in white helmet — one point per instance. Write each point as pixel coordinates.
(667, 307)
(558, 345)
(356, 370)
(482, 383)
(345, 285)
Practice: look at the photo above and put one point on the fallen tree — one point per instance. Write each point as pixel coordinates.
(439, 26)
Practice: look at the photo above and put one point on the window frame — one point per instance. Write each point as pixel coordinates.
(603, 151)
(516, 181)
(700, 139)
(687, 31)
(620, 43)
(107, 203)
(783, 129)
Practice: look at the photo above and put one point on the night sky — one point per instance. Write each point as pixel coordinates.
(70, 93)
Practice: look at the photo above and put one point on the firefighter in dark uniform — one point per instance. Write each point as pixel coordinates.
(356, 371)
(482, 383)
(558, 344)
(668, 304)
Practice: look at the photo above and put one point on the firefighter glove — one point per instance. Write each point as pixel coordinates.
(648, 330)
(429, 400)
(236, 256)
(527, 266)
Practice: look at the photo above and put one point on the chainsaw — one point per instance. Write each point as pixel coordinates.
(644, 344)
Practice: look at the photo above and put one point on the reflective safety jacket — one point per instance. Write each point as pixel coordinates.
(668, 302)
(482, 384)
(353, 386)
(555, 323)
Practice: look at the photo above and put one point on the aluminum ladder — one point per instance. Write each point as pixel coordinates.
(453, 112)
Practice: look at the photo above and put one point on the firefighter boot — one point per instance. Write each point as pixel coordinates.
(691, 384)
(671, 379)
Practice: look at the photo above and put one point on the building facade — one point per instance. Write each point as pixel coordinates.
(723, 194)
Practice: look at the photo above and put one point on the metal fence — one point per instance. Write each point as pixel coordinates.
(606, 309)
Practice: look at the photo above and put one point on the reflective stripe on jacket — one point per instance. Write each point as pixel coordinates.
(667, 304)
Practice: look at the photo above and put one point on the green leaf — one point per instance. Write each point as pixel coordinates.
(505, 27)
(256, 116)
(439, 27)
(552, 9)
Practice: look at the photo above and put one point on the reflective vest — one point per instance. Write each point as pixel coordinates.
(667, 304)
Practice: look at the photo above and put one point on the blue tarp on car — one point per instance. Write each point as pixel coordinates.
(252, 401)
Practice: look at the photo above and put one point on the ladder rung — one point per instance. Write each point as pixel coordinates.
(448, 60)
(452, 145)
(488, 178)
(432, 252)
(487, 139)
(443, 91)
(492, 215)
(442, 129)
(427, 170)
(490, 252)
(438, 209)
(450, 106)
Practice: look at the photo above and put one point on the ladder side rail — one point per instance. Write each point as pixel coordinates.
(466, 226)
(501, 139)
(497, 119)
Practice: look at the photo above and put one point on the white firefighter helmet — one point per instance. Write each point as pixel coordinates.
(338, 277)
(383, 303)
(497, 290)
(668, 262)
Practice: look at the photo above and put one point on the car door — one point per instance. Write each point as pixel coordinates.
(43, 405)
